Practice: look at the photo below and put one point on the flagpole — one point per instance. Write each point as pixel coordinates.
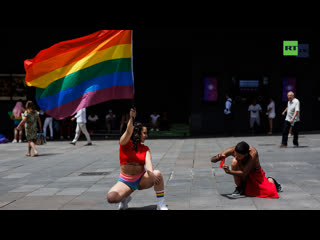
(132, 100)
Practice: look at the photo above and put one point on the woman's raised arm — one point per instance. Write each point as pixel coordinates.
(127, 134)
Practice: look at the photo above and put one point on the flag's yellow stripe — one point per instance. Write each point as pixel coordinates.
(115, 52)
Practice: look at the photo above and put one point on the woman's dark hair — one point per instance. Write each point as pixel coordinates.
(30, 106)
(242, 148)
(136, 135)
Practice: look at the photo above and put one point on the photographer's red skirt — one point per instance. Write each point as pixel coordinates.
(257, 185)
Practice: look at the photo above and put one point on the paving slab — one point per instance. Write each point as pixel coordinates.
(67, 177)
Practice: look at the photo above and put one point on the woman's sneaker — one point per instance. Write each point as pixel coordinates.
(163, 207)
(238, 191)
(278, 185)
(123, 205)
(162, 204)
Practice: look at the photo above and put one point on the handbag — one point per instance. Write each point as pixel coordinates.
(40, 139)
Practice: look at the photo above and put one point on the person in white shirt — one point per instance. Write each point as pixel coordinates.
(292, 120)
(271, 113)
(81, 126)
(110, 121)
(254, 110)
(228, 104)
(227, 117)
(92, 122)
(93, 117)
(154, 121)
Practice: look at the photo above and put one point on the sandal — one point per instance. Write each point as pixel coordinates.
(28, 154)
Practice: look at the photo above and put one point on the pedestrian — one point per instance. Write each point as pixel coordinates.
(228, 126)
(292, 120)
(65, 128)
(248, 175)
(137, 171)
(81, 126)
(154, 121)
(254, 114)
(271, 113)
(110, 121)
(92, 122)
(164, 122)
(30, 119)
(47, 123)
(16, 116)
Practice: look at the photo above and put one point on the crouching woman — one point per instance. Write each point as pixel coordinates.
(137, 172)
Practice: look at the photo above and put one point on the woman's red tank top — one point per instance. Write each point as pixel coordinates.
(128, 155)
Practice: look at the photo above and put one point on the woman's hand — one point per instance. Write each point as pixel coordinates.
(226, 168)
(133, 113)
(125, 138)
(217, 157)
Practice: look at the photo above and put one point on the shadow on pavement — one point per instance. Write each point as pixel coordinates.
(150, 207)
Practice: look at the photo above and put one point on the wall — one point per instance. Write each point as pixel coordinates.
(228, 53)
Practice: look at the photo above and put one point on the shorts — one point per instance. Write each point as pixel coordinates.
(131, 181)
(254, 120)
(16, 123)
(272, 115)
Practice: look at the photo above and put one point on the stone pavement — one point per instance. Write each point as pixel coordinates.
(66, 177)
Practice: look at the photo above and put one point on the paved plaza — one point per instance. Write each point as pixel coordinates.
(66, 177)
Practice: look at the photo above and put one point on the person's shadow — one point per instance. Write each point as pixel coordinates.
(48, 154)
(230, 196)
(150, 207)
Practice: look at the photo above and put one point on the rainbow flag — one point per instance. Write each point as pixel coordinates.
(82, 72)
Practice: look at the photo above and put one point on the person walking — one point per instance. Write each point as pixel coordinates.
(48, 123)
(30, 119)
(81, 126)
(136, 167)
(292, 120)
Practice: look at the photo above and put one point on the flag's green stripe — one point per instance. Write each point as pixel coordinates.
(71, 80)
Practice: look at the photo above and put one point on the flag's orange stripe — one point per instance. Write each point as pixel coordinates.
(42, 64)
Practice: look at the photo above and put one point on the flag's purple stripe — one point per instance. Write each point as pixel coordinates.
(91, 98)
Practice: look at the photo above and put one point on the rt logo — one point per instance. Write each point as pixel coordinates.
(290, 48)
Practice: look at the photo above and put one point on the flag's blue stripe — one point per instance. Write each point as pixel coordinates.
(94, 84)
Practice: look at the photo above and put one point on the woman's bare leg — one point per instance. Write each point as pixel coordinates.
(28, 153)
(270, 125)
(235, 166)
(33, 146)
(16, 134)
(118, 192)
(147, 182)
(20, 135)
